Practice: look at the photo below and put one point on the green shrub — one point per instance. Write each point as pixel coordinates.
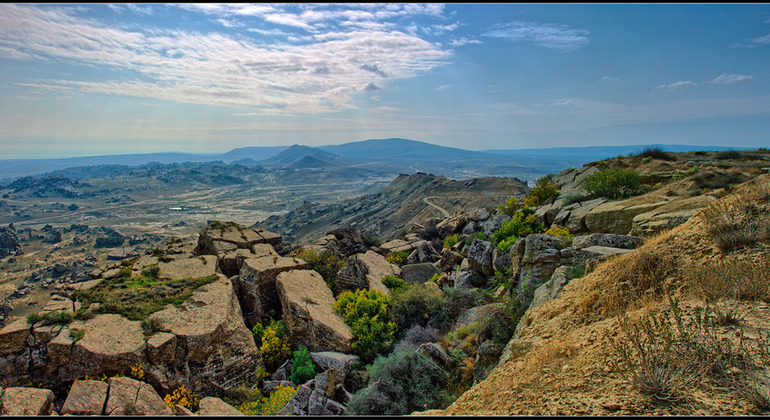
(545, 192)
(326, 264)
(684, 174)
(510, 206)
(48, 318)
(400, 384)
(455, 303)
(397, 257)
(393, 282)
(523, 223)
(371, 240)
(415, 304)
(476, 235)
(269, 406)
(728, 154)
(451, 241)
(654, 152)
(273, 342)
(302, 366)
(365, 311)
(612, 183)
(575, 271)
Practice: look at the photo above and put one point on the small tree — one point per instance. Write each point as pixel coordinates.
(302, 366)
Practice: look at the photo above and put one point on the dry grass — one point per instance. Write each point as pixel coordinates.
(741, 279)
(736, 221)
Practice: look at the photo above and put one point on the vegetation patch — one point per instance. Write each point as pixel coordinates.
(397, 257)
(271, 405)
(544, 193)
(273, 342)
(49, 318)
(365, 311)
(302, 366)
(654, 152)
(523, 223)
(136, 297)
(326, 264)
(612, 183)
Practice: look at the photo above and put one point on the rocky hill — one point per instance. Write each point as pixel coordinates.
(408, 201)
(635, 286)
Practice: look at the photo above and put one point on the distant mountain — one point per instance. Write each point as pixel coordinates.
(593, 153)
(397, 148)
(311, 156)
(254, 153)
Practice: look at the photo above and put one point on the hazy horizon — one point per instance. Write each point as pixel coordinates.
(108, 79)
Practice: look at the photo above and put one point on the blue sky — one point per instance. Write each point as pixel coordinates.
(205, 78)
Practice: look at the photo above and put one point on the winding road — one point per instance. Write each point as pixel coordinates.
(440, 209)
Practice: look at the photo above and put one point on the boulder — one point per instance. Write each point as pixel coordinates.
(219, 349)
(315, 398)
(478, 215)
(230, 264)
(449, 260)
(343, 363)
(424, 252)
(110, 241)
(670, 215)
(9, 241)
(308, 314)
(576, 222)
(161, 348)
(450, 226)
(212, 406)
(418, 273)
(111, 345)
(256, 285)
(122, 253)
(547, 213)
(435, 352)
(128, 396)
(13, 337)
(480, 256)
(491, 225)
(86, 398)
(376, 267)
(20, 401)
(347, 241)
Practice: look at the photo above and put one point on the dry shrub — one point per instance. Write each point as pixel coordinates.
(740, 220)
(629, 279)
(670, 356)
(732, 278)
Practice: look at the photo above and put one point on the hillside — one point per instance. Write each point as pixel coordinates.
(565, 360)
(409, 200)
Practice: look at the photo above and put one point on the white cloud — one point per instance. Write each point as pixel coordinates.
(320, 75)
(442, 87)
(463, 41)
(548, 35)
(729, 79)
(677, 85)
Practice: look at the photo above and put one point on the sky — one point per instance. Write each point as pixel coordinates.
(118, 78)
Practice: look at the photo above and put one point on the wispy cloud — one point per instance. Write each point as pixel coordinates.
(729, 79)
(459, 42)
(317, 73)
(548, 35)
(677, 85)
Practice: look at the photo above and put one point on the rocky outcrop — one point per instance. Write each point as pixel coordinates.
(220, 238)
(20, 401)
(418, 273)
(316, 397)
(342, 363)
(308, 312)
(669, 215)
(212, 406)
(365, 271)
(128, 396)
(9, 241)
(216, 347)
(256, 285)
(202, 266)
(480, 256)
(617, 216)
(347, 241)
(86, 398)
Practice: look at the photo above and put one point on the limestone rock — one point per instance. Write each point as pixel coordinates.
(128, 396)
(209, 329)
(111, 344)
(418, 273)
(214, 239)
(576, 222)
(478, 215)
(436, 353)
(86, 398)
(491, 225)
(343, 363)
(607, 240)
(211, 406)
(9, 241)
(480, 256)
(20, 401)
(450, 226)
(307, 311)
(256, 285)
(669, 215)
(13, 337)
(617, 216)
(202, 266)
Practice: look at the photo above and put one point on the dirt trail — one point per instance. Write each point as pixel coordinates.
(440, 209)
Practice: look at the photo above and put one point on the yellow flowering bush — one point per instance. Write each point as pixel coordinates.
(269, 406)
(273, 342)
(183, 397)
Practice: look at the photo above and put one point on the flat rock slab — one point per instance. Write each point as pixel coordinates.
(86, 398)
(308, 312)
(20, 401)
(130, 397)
(202, 266)
(111, 344)
(122, 253)
(418, 273)
(212, 406)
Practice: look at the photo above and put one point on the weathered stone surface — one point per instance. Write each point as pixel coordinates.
(13, 337)
(20, 401)
(468, 279)
(607, 240)
(9, 241)
(297, 405)
(122, 253)
(230, 264)
(307, 311)
(211, 406)
(576, 222)
(424, 252)
(343, 363)
(201, 266)
(59, 303)
(131, 397)
(161, 348)
(111, 344)
(547, 213)
(373, 267)
(86, 398)
(435, 352)
(418, 273)
(617, 216)
(220, 349)
(60, 348)
(256, 285)
(491, 225)
(263, 250)
(315, 398)
(347, 241)
(213, 238)
(669, 215)
(399, 245)
(110, 241)
(450, 226)
(449, 260)
(478, 215)
(480, 256)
